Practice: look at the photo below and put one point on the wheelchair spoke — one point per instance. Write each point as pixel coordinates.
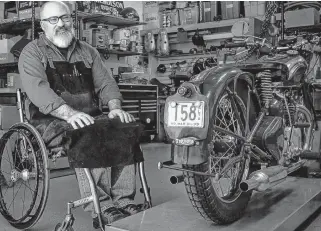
(5, 172)
(23, 201)
(9, 157)
(27, 186)
(14, 198)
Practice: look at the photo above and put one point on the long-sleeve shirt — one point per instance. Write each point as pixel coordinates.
(32, 68)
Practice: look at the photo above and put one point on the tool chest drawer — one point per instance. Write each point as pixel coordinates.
(142, 102)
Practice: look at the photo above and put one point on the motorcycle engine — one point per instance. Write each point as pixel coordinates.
(269, 136)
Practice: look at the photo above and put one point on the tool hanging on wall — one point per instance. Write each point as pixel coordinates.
(181, 35)
(150, 45)
(162, 42)
(161, 68)
(198, 39)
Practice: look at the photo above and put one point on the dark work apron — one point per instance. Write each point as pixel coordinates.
(107, 142)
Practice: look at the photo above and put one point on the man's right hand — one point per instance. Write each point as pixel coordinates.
(80, 119)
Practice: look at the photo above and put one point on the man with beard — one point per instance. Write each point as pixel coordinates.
(53, 70)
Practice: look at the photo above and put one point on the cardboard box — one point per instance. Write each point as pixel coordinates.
(84, 6)
(23, 5)
(213, 10)
(207, 11)
(5, 47)
(148, 5)
(172, 18)
(300, 18)
(27, 13)
(304, 17)
(96, 37)
(254, 8)
(152, 20)
(181, 4)
(189, 15)
(230, 10)
(165, 6)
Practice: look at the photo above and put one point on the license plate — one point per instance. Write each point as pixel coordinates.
(186, 114)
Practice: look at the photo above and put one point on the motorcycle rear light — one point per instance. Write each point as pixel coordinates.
(184, 91)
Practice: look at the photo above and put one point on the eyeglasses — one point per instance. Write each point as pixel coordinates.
(55, 19)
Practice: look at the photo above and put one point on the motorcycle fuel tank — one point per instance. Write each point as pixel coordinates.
(295, 64)
(162, 42)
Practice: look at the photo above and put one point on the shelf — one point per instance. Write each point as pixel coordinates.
(14, 64)
(108, 19)
(200, 26)
(120, 53)
(8, 90)
(124, 53)
(16, 26)
(314, 28)
(186, 55)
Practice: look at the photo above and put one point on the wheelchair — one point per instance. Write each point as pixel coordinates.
(25, 159)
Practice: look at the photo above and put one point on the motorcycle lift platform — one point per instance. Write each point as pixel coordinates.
(282, 208)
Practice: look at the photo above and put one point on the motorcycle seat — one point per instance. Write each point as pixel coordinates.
(285, 42)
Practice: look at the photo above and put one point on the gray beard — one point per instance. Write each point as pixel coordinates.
(63, 40)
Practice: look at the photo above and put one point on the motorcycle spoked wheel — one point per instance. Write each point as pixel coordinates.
(205, 193)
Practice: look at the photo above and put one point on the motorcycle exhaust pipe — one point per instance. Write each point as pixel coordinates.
(176, 179)
(264, 179)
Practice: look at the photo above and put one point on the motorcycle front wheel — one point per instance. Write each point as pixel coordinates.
(219, 198)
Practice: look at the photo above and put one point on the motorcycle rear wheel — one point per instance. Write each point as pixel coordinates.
(222, 208)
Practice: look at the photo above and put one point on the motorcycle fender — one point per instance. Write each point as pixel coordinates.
(213, 84)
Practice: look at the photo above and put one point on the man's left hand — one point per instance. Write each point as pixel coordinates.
(124, 116)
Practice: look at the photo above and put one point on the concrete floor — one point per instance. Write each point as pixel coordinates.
(65, 189)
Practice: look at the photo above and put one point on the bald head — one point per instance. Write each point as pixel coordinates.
(57, 24)
(51, 9)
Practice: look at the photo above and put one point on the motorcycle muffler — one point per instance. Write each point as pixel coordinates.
(176, 179)
(264, 179)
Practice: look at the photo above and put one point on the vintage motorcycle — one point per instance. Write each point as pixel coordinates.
(241, 127)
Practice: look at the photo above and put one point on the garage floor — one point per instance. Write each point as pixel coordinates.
(65, 189)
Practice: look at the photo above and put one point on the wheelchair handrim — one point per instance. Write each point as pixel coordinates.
(41, 164)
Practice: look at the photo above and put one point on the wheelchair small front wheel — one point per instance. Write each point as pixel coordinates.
(24, 172)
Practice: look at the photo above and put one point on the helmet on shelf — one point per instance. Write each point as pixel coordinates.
(130, 13)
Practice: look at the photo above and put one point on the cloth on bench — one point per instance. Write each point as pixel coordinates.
(106, 143)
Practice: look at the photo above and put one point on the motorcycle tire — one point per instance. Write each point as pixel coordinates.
(200, 188)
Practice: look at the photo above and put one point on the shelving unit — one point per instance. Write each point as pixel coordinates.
(204, 55)
(199, 26)
(108, 19)
(14, 64)
(121, 53)
(212, 32)
(17, 25)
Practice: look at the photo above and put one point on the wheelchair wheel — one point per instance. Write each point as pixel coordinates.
(25, 176)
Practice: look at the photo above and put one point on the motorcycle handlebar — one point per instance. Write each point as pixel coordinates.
(234, 45)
